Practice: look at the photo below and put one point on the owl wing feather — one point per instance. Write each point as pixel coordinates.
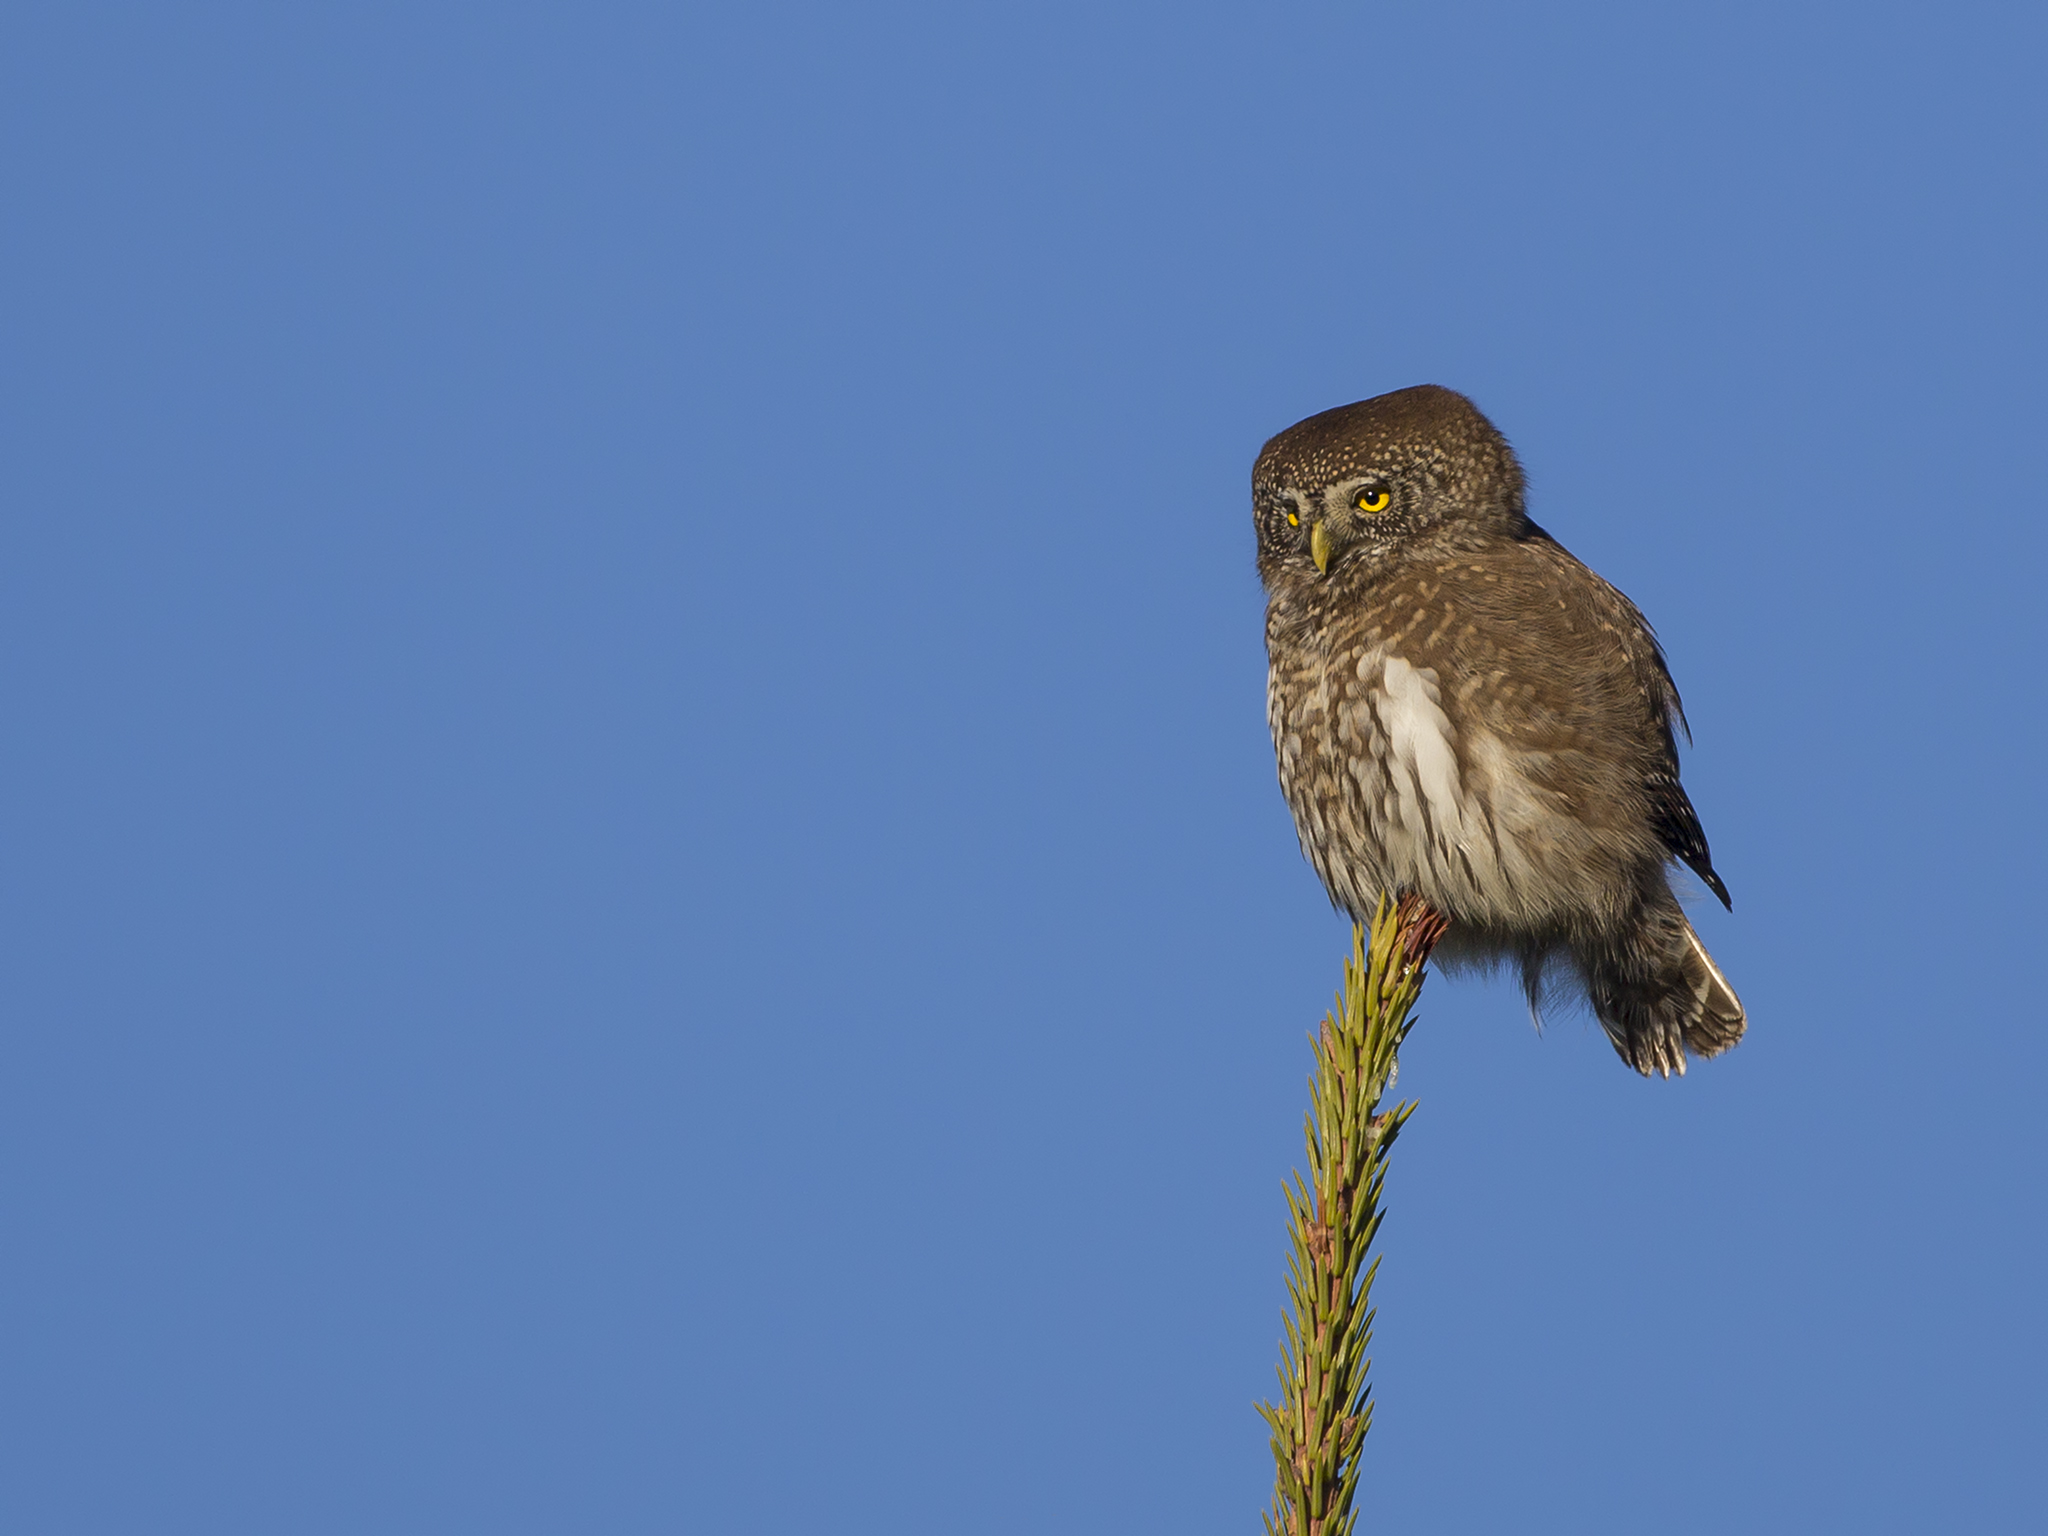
(1672, 815)
(1678, 824)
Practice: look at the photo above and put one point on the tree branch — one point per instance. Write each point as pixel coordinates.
(1320, 1422)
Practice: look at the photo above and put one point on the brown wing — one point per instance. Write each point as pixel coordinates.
(1677, 824)
(1566, 667)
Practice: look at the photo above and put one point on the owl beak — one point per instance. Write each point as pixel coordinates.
(1320, 545)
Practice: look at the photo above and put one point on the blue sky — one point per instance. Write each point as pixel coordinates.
(640, 880)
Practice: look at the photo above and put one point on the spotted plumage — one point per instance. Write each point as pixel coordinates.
(1463, 711)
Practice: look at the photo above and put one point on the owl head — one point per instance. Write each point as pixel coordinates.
(1370, 476)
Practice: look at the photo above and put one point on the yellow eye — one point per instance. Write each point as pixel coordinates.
(1294, 519)
(1373, 498)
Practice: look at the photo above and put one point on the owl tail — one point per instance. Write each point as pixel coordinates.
(1659, 995)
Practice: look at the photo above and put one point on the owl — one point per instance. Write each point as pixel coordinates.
(1463, 711)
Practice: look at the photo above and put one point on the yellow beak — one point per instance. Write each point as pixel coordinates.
(1320, 546)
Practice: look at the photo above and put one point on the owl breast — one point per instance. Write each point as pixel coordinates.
(1389, 795)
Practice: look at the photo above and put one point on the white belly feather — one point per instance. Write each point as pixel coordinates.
(1388, 758)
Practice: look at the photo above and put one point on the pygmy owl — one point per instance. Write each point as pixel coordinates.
(1463, 711)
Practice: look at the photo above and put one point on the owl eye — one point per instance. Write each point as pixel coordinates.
(1294, 519)
(1373, 498)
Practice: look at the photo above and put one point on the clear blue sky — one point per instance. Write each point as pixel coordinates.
(640, 881)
